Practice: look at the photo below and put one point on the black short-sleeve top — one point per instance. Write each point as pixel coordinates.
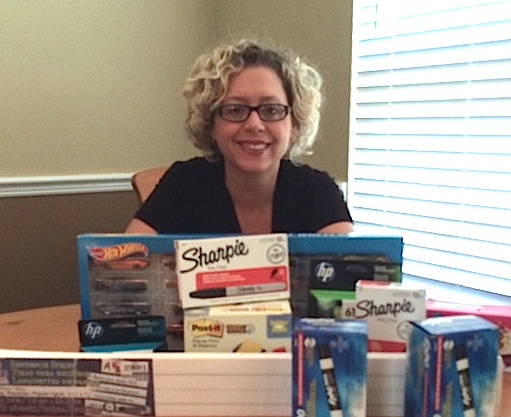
(192, 198)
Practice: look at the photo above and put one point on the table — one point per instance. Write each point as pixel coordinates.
(46, 329)
(56, 329)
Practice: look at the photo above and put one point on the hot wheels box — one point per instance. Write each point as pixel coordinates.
(125, 275)
(452, 368)
(498, 314)
(247, 327)
(337, 262)
(329, 368)
(233, 269)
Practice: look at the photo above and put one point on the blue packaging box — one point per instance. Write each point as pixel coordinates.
(337, 262)
(452, 367)
(130, 334)
(329, 368)
(125, 275)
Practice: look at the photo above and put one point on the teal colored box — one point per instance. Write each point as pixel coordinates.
(329, 368)
(452, 367)
(337, 262)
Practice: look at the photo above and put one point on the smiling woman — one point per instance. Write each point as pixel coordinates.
(253, 111)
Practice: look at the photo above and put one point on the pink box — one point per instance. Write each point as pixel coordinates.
(499, 315)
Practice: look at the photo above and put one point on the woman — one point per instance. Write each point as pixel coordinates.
(252, 111)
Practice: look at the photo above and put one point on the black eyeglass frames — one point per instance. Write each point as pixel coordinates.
(241, 112)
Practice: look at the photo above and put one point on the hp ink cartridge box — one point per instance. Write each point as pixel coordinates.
(452, 368)
(329, 368)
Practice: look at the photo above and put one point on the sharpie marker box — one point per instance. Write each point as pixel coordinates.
(329, 368)
(234, 269)
(263, 326)
(388, 308)
(452, 368)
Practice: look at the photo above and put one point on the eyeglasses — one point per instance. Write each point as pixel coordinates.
(241, 112)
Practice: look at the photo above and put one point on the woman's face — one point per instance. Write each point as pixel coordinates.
(254, 146)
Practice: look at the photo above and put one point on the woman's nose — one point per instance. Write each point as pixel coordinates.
(254, 121)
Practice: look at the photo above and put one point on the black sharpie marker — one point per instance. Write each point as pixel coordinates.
(241, 290)
(326, 364)
(466, 392)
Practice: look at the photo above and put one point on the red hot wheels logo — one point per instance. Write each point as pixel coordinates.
(110, 253)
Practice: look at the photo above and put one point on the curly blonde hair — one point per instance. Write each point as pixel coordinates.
(208, 82)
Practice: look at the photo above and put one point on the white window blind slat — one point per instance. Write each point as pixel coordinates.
(430, 135)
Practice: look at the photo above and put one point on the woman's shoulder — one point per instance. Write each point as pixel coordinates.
(303, 173)
(193, 167)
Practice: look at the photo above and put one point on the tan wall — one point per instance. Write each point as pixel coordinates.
(320, 31)
(94, 88)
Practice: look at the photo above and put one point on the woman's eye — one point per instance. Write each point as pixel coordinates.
(234, 110)
(271, 110)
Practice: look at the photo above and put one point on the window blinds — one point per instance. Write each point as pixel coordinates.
(430, 135)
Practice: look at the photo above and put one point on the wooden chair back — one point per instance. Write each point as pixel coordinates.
(144, 182)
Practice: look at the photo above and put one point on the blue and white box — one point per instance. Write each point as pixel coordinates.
(452, 368)
(329, 368)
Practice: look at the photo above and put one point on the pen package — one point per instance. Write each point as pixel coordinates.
(329, 368)
(452, 367)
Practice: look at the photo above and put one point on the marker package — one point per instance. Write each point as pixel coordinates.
(452, 367)
(235, 269)
(329, 368)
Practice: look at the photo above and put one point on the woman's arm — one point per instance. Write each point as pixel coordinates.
(137, 226)
(338, 227)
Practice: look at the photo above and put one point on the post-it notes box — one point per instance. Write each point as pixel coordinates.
(329, 367)
(246, 327)
(452, 368)
(235, 269)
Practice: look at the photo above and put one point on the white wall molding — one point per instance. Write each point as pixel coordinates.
(64, 184)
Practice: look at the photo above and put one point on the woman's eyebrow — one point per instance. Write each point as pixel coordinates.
(263, 99)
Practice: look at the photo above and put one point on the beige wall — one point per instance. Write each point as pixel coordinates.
(93, 87)
(320, 31)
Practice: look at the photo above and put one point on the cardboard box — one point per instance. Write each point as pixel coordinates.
(498, 314)
(235, 269)
(388, 308)
(248, 327)
(329, 368)
(452, 368)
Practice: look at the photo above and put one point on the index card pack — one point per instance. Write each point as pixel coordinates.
(452, 367)
(235, 269)
(329, 368)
